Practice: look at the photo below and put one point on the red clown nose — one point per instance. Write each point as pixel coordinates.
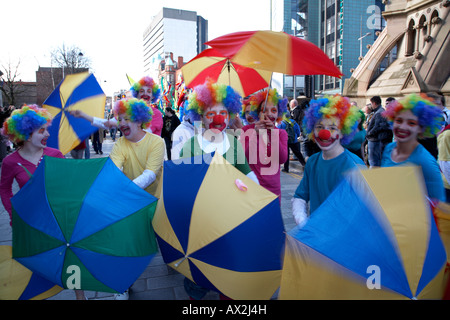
(324, 134)
(218, 119)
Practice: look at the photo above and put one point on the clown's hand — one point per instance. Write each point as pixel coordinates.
(299, 211)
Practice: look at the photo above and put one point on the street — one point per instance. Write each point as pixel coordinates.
(158, 281)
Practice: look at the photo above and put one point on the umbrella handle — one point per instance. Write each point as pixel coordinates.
(240, 185)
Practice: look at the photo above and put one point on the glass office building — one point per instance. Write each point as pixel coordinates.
(343, 29)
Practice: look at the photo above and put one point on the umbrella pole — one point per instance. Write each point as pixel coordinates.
(267, 95)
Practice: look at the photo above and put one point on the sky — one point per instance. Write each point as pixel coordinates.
(109, 32)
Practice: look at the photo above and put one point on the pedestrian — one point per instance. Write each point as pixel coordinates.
(148, 90)
(112, 129)
(27, 127)
(248, 114)
(329, 122)
(182, 133)
(294, 135)
(266, 146)
(378, 133)
(412, 117)
(97, 140)
(171, 122)
(79, 150)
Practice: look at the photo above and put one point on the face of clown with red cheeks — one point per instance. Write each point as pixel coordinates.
(216, 118)
(327, 133)
(248, 116)
(129, 129)
(271, 112)
(39, 137)
(145, 93)
(406, 126)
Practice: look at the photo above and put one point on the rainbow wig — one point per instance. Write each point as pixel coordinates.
(209, 94)
(146, 82)
(137, 110)
(329, 107)
(24, 121)
(257, 102)
(429, 115)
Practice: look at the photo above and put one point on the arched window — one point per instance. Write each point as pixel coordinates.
(423, 31)
(410, 38)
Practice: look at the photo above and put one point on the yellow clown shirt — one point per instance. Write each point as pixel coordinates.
(135, 157)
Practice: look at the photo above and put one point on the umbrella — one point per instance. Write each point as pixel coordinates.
(218, 233)
(373, 238)
(79, 91)
(275, 52)
(19, 283)
(442, 214)
(72, 229)
(210, 63)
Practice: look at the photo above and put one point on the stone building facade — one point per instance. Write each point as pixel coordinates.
(411, 54)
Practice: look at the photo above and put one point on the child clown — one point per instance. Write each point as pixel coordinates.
(330, 122)
(138, 153)
(214, 104)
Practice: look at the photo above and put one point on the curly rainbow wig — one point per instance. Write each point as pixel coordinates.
(136, 110)
(209, 94)
(24, 121)
(429, 115)
(257, 103)
(146, 82)
(332, 107)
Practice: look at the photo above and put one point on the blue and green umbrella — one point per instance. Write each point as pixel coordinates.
(79, 91)
(72, 229)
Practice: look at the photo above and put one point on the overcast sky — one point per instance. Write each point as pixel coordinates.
(109, 32)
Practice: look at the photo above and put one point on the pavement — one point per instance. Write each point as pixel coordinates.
(159, 281)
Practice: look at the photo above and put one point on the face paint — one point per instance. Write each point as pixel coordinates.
(327, 133)
(216, 118)
(406, 126)
(145, 93)
(40, 136)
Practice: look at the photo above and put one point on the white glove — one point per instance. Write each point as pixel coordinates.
(145, 179)
(299, 211)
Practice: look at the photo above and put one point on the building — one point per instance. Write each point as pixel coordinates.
(173, 30)
(410, 55)
(343, 29)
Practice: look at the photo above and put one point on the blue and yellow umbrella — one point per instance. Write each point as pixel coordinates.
(373, 238)
(19, 283)
(220, 233)
(79, 91)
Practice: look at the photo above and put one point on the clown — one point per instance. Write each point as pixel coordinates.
(411, 118)
(215, 105)
(147, 90)
(329, 122)
(266, 146)
(27, 127)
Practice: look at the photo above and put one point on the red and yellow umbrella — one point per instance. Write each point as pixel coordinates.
(276, 52)
(210, 63)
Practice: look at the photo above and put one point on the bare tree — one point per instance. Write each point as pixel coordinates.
(9, 86)
(70, 59)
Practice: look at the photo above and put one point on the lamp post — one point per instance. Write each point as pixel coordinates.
(360, 44)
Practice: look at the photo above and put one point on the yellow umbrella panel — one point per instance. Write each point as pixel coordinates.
(79, 91)
(19, 283)
(373, 238)
(221, 237)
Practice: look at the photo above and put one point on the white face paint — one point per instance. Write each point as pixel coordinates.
(406, 126)
(331, 134)
(131, 130)
(40, 136)
(146, 94)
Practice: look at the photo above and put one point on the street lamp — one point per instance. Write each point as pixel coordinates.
(360, 44)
